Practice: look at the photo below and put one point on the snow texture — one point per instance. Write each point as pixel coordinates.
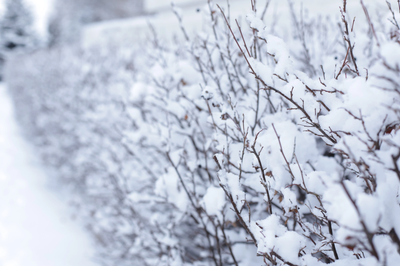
(35, 225)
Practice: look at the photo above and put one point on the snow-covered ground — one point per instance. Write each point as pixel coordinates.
(35, 225)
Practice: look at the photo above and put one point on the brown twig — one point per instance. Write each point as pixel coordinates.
(344, 63)
(234, 37)
(368, 234)
(369, 22)
(262, 171)
(347, 40)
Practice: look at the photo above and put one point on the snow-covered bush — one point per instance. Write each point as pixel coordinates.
(238, 146)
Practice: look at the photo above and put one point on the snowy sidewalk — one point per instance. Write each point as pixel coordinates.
(35, 229)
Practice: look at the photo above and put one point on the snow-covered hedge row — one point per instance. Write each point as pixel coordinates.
(235, 147)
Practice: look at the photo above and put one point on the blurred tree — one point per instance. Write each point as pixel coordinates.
(70, 16)
(17, 33)
(16, 28)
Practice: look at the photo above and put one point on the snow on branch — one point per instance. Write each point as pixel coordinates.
(245, 144)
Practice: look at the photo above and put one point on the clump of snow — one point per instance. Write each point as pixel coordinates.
(169, 187)
(214, 200)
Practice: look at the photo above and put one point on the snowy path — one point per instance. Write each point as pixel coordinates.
(35, 229)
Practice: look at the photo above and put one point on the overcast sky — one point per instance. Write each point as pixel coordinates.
(41, 10)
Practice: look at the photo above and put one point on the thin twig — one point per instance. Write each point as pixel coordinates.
(369, 22)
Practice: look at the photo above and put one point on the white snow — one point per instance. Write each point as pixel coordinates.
(214, 200)
(35, 225)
